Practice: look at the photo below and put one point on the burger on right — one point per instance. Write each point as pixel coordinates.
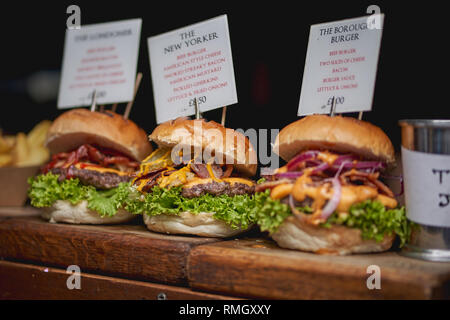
(329, 197)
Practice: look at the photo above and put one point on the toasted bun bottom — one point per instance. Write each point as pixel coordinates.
(201, 224)
(64, 211)
(339, 240)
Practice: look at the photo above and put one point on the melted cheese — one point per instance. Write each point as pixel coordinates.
(281, 191)
(387, 201)
(281, 169)
(211, 173)
(355, 194)
(301, 187)
(231, 181)
(160, 162)
(196, 181)
(350, 194)
(146, 166)
(99, 169)
(142, 184)
(180, 175)
(239, 180)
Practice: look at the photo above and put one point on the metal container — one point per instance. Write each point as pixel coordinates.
(427, 140)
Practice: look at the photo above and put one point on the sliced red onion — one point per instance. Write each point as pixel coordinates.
(334, 201)
(344, 158)
(294, 210)
(321, 167)
(295, 174)
(293, 163)
(374, 165)
(339, 170)
(312, 163)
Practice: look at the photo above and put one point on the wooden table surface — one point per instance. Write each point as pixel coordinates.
(130, 262)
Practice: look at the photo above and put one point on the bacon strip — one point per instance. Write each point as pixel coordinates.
(270, 184)
(371, 178)
(228, 171)
(91, 154)
(201, 170)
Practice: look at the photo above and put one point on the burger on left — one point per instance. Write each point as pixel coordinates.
(94, 157)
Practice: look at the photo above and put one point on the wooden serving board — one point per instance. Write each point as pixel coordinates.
(24, 281)
(258, 268)
(253, 267)
(128, 251)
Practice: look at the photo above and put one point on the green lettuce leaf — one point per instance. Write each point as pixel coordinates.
(45, 190)
(268, 213)
(233, 210)
(375, 220)
(371, 217)
(107, 202)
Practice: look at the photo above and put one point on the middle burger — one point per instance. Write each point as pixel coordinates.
(197, 181)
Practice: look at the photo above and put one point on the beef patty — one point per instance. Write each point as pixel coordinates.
(217, 188)
(101, 180)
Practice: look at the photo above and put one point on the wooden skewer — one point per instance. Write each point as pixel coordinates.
(333, 107)
(360, 114)
(94, 101)
(102, 108)
(136, 87)
(114, 107)
(197, 111)
(224, 114)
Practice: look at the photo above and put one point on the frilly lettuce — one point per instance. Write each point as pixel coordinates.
(234, 210)
(371, 217)
(45, 190)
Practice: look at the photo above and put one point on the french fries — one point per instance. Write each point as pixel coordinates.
(38, 134)
(5, 159)
(5, 144)
(23, 149)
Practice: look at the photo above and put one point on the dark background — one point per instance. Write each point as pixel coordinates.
(269, 43)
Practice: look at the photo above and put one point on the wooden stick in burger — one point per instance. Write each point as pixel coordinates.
(94, 157)
(197, 181)
(329, 197)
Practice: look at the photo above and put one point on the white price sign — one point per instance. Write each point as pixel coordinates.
(101, 58)
(341, 65)
(194, 62)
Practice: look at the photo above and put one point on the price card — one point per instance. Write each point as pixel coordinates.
(194, 62)
(341, 63)
(100, 57)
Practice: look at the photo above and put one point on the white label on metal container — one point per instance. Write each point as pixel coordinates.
(427, 187)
